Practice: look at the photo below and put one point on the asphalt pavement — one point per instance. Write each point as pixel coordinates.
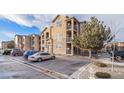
(64, 66)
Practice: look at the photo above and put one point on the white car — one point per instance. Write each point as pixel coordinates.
(39, 56)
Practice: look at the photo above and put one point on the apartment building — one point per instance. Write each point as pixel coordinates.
(58, 37)
(4, 44)
(55, 39)
(46, 40)
(120, 45)
(18, 41)
(27, 42)
(35, 42)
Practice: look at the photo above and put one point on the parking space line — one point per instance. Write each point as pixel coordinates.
(43, 70)
(6, 63)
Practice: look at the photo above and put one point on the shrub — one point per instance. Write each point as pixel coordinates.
(99, 64)
(102, 75)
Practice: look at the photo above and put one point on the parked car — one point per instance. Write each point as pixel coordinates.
(16, 52)
(7, 52)
(40, 56)
(118, 55)
(28, 53)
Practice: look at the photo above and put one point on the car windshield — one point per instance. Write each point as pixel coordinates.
(45, 54)
(37, 53)
(26, 52)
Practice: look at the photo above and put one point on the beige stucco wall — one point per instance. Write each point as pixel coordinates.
(58, 35)
(62, 32)
(36, 40)
(4, 45)
(56, 43)
(46, 40)
(18, 41)
(26, 43)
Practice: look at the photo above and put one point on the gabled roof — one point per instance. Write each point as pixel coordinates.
(44, 29)
(18, 35)
(55, 18)
(74, 19)
(33, 35)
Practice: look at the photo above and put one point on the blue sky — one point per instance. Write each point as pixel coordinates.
(35, 23)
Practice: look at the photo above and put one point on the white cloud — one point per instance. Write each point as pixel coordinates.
(42, 20)
(9, 34)
(19, 19)
(37, 20)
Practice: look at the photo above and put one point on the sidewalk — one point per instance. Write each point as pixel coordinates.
(117, 73)
(85, 71)
(76, 75)
(72, 57)
(108, 61)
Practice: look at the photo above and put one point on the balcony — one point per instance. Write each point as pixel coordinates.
(47, 38)
(32, 43)
(75, 28)
(68, 39)
(43, 45)
(68, 48)
(69, 27)
(42, 37)
(68, 51)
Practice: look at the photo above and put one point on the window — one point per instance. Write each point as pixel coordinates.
(58, 37)
(69, 25)
(58, 23)
(58, 46)
(32, 42)
(42, 36)
(42, 49)
(47, 35)
(42, 41)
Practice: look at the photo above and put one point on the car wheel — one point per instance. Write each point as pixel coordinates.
(39, 59)
(16, 54)
(118, 58)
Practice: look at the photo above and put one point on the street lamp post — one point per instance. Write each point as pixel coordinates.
(113, 50)
(113, 53)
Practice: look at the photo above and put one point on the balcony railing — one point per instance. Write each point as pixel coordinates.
(68, 51)
(68, 27)
(43, 45)
(68, 39)
(75, 28)
(42, 37)
(47, 38)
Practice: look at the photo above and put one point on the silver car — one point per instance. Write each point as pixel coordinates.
(39, 56)
(16, 52)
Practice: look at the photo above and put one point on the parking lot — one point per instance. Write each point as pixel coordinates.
(62, 66)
